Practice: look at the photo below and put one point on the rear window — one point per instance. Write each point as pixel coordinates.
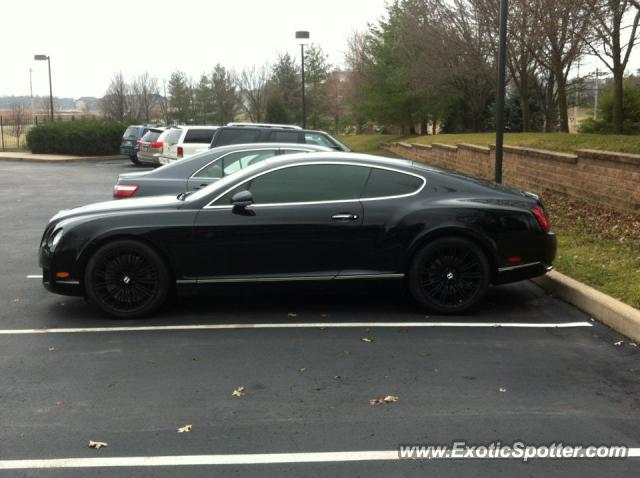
(284, 137)
(173, 136)
(199, 136)
(237, 136)
(151, 135)
(131, 132)
(384, 183)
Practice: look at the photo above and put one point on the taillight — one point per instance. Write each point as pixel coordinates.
(125, 190)
(542, 217)
(156, 144)
(180, 152)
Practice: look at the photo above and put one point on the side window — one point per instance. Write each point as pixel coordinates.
(318, 139)
(309, 183)
(284, 137)
(236, 136)
(384, 183)
(236, 161)
(212, 170)
(199, 136)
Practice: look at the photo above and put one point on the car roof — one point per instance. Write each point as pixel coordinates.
(246, 146)
(195, 126)
(339, 156)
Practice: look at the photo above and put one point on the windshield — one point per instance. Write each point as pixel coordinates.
(151, 135)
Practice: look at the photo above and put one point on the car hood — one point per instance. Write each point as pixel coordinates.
(123, 205)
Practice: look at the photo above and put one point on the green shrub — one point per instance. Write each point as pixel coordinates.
(631, 112)
(91, 138)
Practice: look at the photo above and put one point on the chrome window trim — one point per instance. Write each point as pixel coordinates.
(334, 201)
(227, 154)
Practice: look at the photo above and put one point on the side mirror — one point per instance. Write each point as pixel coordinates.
(242, 199)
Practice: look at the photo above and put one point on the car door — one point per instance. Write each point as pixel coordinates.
(226, 165)
(304, 224)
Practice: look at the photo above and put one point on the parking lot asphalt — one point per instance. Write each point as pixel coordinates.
(307, 385)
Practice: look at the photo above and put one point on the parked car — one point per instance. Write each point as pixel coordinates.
(130, 140)
(243, 133)
(185, 141)
(151, 145)
(202, 169)
(300, 217)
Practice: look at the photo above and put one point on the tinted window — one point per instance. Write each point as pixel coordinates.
(131, 132)
(315, 182)
(318, 139)
(199, 136)
(151, 135)
(173, 136)
(383, 183)
(283, 137)
(236, 161)
(236, 136)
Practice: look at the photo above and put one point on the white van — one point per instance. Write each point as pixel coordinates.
(184, 141)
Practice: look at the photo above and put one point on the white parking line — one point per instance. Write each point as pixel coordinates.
(34, 276)
(304, 325)
(236, 459)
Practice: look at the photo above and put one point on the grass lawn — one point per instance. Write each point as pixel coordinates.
(563, 142)
(597, 246)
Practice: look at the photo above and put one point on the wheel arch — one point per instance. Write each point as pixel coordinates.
(486, 244)
(90, 249)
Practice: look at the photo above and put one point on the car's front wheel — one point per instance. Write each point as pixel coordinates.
(449, 275)
(127, 279)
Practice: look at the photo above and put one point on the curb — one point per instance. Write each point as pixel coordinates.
(61, 160)
(619, 316)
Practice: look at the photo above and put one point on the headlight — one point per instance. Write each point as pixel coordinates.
(54, 239)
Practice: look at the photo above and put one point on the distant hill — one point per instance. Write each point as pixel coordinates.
(87, 104)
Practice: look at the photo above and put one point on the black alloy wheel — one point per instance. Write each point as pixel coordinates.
(127, 279)
(449, 275)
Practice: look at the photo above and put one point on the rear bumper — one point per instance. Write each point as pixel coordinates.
(537, 266)
(128, 150)
(149, 158)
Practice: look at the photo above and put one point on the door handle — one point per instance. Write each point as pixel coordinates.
(344, 217)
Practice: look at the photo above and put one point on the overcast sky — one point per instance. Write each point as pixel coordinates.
(90, 40)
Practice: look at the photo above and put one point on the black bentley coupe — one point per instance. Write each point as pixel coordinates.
(303, 217)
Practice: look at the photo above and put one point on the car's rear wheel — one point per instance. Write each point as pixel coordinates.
(127, 279)
(135, 160)
(449, 275)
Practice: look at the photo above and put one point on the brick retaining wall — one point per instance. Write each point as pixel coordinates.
(611, 179)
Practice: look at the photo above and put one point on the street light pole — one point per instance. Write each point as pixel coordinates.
(31, 94)
(48, 58)
(502, 71)
(302, 36)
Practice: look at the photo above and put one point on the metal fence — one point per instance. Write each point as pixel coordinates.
(14, 128)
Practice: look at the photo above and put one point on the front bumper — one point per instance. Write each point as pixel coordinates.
(50, 264)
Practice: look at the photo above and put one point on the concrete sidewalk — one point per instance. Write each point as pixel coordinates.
(53, 158)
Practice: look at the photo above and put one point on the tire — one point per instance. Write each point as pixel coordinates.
(449, 275)
(127, 279)
(134, 160)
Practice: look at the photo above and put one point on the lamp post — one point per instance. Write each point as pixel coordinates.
(48, 58)
(303, 37)
(502, 70)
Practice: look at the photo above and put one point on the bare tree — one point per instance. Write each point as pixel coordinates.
(562, 27)
(252, 83)
(613, 45)
(18, 118)
(115, 103)
(146, 96)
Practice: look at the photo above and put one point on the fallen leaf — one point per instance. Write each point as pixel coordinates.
(16, 300)
(291, 314)
(383, 400)
(502, 390)
(185, 429)
(51, 349)
(238, 392)
(618, 343)
(59, 403)
(424, 354)
(97, 444)
(337, 377)
(301, 370)
(366, 339)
